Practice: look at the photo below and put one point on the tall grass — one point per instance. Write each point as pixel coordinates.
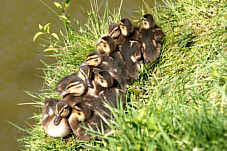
(178, 103)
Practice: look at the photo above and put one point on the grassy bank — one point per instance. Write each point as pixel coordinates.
(179, 103)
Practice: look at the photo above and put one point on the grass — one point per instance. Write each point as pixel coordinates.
(179, 102)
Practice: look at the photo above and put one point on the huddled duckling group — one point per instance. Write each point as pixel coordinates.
(102, 79)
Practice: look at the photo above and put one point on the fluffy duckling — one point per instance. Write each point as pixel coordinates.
(114, 30)
(89, 113)
(148, 23)
(74, 95)
(79, 115)
(128, 30)
(152, 48)
(106, 45)
(113, 96)
(72, 84)
(103, 78)
(115, 33)
(54, 118)
(132, 55)
(113, 65)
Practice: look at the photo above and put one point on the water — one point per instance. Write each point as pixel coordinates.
(20, 58)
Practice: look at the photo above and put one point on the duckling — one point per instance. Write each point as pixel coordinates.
(113, 96)
(115, 33)
(72, 84)
(88, 113)
(117, 56)
(132, 55)
(54, 118)
(128, 30)
(103, 78)
(100, 110)
(151, 47)
(114, 30)
(148, 23)
(113, 65)
(74, 94)
(106, 45)
(79, 115)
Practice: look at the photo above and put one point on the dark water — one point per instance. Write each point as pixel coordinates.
(20, 58)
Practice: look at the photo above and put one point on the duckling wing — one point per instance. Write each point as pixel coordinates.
(151, 48)
(128, 51)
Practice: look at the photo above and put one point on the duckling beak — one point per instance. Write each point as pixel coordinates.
(57, 119)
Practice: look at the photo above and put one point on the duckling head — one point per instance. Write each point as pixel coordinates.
(76, 88)
(62, 111)
(61, 85)
(105, 44)
(94, 59)
(126, 27)
(104, 79)
(147, 21)
(78, 114)
(114, 30)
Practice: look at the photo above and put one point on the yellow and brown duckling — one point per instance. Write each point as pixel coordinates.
(132, 55)
(128, 30)
(113, 96)
(72, 84)
(114, 30)
(148, 23)
(75, 94)
(106, 45)
(90, 113)
(115, 33)
(151, 47)
(72, 87)
(78, 116)
(114, 65)
(54, 118)
(103, 78)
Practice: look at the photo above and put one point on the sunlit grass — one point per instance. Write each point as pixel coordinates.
(179, 103)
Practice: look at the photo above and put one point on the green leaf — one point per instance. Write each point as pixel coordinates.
(67, 3)
(58, 5)
(37, 35)
(40, 27)
(64, 18)
(50, 49)
(46, 28)
(55, 36)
